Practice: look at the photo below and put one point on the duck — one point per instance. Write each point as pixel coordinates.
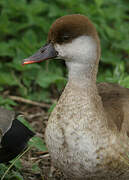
(14, 135)
(87, 134)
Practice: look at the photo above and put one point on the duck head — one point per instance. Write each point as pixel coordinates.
(72, 38)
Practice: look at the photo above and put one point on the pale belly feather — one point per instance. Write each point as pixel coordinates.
(80, 155)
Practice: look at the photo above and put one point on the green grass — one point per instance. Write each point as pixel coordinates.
(24, 26)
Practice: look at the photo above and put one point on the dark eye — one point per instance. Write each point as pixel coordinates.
(65, 37)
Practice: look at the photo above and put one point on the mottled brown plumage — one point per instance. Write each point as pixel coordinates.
(88, 131)
(106, 119)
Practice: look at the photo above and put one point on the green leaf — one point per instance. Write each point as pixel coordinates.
(99, 2)
(51, 108)
(7, 78)
(18, 164)
(38, 143)
(35, 168)
(45, 78)
(16, 176)
(7, 102)
(26, 123)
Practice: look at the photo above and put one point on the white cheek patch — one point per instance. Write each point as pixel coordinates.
(81, 49)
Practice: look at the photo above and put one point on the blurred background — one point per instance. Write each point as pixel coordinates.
(24, 25)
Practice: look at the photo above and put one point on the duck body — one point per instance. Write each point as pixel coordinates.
(83, 148)
(88, 131)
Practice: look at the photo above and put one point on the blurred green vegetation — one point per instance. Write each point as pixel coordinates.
(24, 25)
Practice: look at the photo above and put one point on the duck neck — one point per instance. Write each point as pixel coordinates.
(82, 82)
(82, 75)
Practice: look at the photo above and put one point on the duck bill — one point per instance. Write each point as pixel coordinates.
(46, 52)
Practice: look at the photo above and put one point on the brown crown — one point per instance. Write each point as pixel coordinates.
(66, 28)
